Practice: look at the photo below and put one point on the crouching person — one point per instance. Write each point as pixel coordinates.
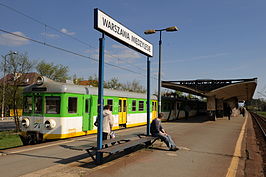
(158, 131)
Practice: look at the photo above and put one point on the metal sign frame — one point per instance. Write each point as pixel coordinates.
(145, 48)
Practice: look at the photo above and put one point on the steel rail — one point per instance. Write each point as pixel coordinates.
(257, 118)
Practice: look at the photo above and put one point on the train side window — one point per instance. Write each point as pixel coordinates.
(134, 105)
(38, 104)
(72, 104)
(52, 104)
(87, 104)
(27, 108)
(141, 105)
(110, 102)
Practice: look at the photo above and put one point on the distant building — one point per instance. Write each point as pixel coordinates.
(22, 80)
(93, 83)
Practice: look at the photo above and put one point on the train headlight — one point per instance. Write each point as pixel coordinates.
(50, 124)
(25, 122)
(39, 80)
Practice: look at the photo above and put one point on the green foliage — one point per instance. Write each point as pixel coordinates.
(133, 86)
(55, 72)
(9, 139)
(256, 105)
(115, 84)
(262, 113)
(179, 93)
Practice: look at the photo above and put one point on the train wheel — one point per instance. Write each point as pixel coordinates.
(39, 138)
(30, 139)
(24, 140)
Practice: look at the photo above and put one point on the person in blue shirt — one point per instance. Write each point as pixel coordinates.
(158, 131)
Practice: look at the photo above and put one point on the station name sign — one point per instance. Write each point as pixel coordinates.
(112, 28)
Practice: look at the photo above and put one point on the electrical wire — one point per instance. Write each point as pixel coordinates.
(69, 51)
(59, 31)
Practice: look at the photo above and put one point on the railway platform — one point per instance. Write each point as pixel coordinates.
(206, 149)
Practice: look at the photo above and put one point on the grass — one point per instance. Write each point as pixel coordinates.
(262, 113)
(9, 139)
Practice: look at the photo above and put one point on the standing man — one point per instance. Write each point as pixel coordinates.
(158, 131)
(108, 121)
(228, 111)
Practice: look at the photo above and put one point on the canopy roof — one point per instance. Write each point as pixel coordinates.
(243, 89)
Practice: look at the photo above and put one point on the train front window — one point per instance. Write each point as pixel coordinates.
(72, 104)
(52, 104)
(27, 108)
(38, 105)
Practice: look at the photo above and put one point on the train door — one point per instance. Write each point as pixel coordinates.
(122, 111)
(86, 122)
(154, 109)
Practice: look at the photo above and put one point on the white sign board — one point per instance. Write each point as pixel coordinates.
(118, 32)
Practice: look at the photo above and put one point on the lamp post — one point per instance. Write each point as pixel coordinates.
(169, 29)
(4, 83)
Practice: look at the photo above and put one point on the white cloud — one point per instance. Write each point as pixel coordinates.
(11, 40)
(123, 52)
(64, 30)
(116, 46)
(50, 35)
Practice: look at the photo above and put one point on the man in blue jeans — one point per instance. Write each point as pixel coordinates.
(158, 131)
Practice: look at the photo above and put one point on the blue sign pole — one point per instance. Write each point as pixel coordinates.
(148, 96)
(99, 155)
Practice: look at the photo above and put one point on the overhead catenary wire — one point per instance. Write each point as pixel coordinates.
(69, 51)
(59, 31)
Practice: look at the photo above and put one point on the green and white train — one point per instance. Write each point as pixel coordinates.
(54, 110)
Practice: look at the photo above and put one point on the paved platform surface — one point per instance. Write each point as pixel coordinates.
(207, 149)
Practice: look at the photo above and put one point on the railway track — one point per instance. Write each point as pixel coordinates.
(260, 129)
(261, 121)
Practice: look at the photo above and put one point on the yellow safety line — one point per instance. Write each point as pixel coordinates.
(237, 154)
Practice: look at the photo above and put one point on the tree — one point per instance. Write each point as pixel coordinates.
(113, 84)
(256, 104)
(55, 72)
(134, 86)
(179, 93)
(15, 67)
(76, 79)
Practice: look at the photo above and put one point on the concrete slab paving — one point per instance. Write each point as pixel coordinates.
(206, 150)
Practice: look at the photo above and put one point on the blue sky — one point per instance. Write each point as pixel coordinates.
(217, 39)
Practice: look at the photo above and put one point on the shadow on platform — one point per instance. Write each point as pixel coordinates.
(196, 119)
(85, 161)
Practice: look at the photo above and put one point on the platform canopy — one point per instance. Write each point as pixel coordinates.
(242, 89)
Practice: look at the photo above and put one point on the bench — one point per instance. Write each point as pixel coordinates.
(120, 147)
(118, 144)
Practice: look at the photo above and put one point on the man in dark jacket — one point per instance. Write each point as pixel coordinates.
(158, 131)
